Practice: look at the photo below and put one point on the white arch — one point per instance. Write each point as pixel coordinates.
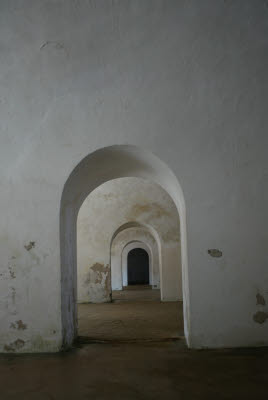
(127, 234)
(124, 257)
(98, 167)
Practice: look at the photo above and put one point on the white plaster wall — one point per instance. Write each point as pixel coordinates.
(186, 80)
(125, 240)
(106, 209)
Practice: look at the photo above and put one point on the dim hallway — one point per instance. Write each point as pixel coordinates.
(133, 200)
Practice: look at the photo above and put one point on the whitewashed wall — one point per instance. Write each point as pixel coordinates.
(105, 210)
(186, 80)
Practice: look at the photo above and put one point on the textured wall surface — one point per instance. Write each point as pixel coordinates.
(105, 210)
(186, 80)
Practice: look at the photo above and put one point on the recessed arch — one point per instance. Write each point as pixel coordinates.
(95, 169)
(127, 237)
(131, 247)
(136, 224)
(138, 266)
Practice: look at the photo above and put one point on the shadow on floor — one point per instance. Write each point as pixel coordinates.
(136, 372)
(134, 315)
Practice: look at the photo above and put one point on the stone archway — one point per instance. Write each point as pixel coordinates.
(125, 240)
(138, 265)
(99, 167)
(130, 264)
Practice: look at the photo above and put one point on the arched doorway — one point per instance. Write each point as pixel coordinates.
(126, 238)
(138, 267)
(99, 167)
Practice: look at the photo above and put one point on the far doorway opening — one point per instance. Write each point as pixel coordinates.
(138, 267)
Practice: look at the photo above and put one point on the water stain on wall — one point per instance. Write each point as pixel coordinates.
(215, 253)
(107, 284)
(99, 274)
(172, 235)
(18, 325)
(34, 256)
(16, 345)
(260, 317)
(99, 269)
(260, 299)
(11, 272)
(29, 246)
(155, 210)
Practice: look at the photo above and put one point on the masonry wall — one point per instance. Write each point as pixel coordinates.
(186, 80)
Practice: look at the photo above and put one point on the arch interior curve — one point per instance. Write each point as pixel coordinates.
(95, 169)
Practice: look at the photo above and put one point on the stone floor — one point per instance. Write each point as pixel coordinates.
(140, 363)
(134, 315)
(136, 371)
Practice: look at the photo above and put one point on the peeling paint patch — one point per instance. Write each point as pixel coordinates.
(12, 347)
(11, 273)
(260, 299)
(98, 267)
(260, 317)
(99, 274)
(29, 246)
(215, 253)
(18, 325)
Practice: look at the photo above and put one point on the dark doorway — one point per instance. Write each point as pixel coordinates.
(138, 267)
